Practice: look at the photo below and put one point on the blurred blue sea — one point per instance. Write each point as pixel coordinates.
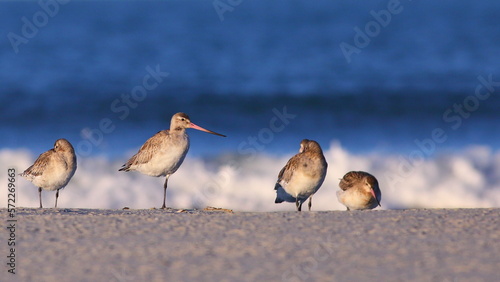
(229, 75)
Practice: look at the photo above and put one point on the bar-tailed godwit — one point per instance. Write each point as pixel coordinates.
(163, 154)
(53, 169)
(302, 176)
(359, 191)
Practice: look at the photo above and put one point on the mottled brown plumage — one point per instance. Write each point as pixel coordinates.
(302, 176)
(359, 191)
(164, 152)
(53, 169)
(150, 148)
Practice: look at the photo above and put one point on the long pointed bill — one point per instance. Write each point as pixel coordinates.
(194, 126)
(373, 194)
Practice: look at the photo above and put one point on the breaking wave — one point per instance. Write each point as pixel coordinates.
(466, 179)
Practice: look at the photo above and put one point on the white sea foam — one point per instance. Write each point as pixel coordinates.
(469, 179)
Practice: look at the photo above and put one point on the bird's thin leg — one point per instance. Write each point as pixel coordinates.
(298, 204)
(165, 192)
(40, 195)
(310, 203)
(57, 196)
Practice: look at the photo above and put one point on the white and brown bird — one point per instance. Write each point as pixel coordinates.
(359, 191)
(163, 154)
(302, 176)
(53, 169)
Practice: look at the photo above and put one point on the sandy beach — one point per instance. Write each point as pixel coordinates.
(221, 245)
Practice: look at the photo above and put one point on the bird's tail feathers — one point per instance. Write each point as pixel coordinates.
(125, 168)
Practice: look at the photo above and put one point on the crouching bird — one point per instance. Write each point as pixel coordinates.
(359, 191)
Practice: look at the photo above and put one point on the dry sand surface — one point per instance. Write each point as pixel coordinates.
(203, 245)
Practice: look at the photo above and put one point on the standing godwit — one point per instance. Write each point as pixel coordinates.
(53, 169)
(163, 154)
(360, 191)
(302, 175)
